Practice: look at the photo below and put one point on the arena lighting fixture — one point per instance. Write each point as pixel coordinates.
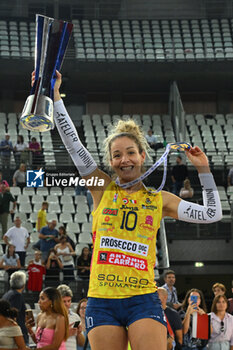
(63, 95)
(198, 264)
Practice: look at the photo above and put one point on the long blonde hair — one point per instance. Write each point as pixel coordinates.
(125, 128)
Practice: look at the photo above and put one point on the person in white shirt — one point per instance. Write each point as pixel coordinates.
(20, 151)
(19, 237)
(76, 336)
(19, 177)
(222, 325)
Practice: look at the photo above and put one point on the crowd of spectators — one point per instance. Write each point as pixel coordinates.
(55, 254)
(56, 248)
(183, 318)
(24, 154)
(186, 318)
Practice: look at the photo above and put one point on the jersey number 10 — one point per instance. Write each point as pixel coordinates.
(124, 223)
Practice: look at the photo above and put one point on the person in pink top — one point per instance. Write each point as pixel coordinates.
(4, 182)
(52, 329)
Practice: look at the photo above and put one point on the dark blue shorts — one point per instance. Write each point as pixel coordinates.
(123, 312)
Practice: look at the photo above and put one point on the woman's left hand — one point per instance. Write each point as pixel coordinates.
(200, 311)
(72, 330)
(198, 158)
(79, 329)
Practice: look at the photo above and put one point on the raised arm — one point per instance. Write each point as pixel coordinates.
(82, 159)
(211, 210)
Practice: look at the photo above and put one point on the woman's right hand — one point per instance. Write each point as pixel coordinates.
(192, 308)
(28, 325)
(56, 86)
(58, 82)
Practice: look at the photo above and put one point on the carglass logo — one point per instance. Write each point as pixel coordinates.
(35, 178)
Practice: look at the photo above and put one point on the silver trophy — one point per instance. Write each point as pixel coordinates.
(52, 38)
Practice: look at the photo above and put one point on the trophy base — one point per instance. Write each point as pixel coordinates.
(39, 117)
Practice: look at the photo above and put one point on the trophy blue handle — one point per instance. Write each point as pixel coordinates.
(56, 40)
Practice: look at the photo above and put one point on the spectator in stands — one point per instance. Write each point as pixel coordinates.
(80, 190)
(35, 148)
(76, 336)
(89, 200)
(4, 182)
(5, 199)
(230, 301)
(84, 263)
(170, 280)
(37, 259)
(20, 151)
(49, 238)
(62, 232)
(186, 191)
(152, 141)
(179, 174)
(230, 177)
(81, 311)
(41, 222)
(218, 289)
(36, 271)
(15, 298)
(11, 336)
(42, 216)
(52, 328)
(53, 266)
(83, 266)
(19, 237)
(65, 252)
(222, 325)
(186, 313)
(6, 148)
(19, 177)
(172, 317)
(10, 261)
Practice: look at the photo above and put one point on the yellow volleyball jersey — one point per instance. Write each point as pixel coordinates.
(124, 236)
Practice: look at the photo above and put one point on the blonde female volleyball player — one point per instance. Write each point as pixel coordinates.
(122, 292)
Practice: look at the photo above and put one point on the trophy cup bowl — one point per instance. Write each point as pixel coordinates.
(43, 119)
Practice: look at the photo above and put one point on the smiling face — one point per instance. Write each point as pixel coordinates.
(126, 160)
(44, 302)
